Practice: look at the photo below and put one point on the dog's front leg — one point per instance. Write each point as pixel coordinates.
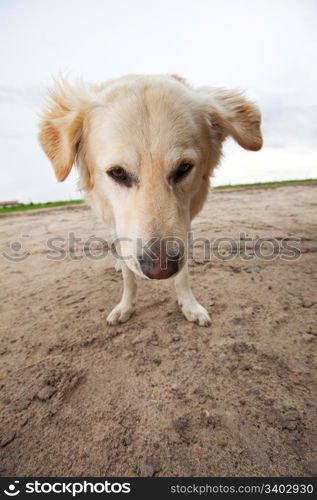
(123, 311)
(191, 308)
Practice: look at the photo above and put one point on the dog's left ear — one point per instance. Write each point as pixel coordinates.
(61, 128)
(230, 113)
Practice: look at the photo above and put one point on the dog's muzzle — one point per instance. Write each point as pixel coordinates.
(159, 267)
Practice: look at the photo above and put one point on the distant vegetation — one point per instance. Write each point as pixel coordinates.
(50, 204)
(33, 206)
(273, 183)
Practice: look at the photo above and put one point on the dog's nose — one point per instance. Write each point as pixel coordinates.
(159, 268)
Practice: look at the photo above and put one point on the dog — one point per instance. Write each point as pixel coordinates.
(145, 147)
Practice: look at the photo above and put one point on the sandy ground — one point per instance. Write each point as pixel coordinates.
(158, 395)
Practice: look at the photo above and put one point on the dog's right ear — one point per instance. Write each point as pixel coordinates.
(61, 128)
(230, 113)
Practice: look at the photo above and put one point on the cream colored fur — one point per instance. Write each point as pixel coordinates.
(147, 125)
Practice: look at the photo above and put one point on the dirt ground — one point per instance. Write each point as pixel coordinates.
(159, 396)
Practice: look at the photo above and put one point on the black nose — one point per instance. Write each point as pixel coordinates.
(159, 267)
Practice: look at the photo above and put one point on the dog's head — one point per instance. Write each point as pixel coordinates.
(146, 147)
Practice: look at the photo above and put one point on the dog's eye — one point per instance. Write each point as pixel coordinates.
(183, 170)
(119, 175)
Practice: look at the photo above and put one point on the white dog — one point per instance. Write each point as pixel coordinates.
(145, 147)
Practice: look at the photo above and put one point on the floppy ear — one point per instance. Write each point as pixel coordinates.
(231, 114)
(61, 129)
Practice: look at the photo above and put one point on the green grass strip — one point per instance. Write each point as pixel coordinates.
(33, 206)
(273, 183)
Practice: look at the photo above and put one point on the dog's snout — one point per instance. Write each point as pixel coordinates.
(159, 267)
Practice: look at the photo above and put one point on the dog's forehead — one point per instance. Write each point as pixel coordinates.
(148, 119)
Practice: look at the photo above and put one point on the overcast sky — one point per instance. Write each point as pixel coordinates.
(266, 47)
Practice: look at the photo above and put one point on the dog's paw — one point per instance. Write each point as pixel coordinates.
(196, 313)
(120, 314)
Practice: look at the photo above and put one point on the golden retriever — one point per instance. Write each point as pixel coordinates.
(145, 147)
